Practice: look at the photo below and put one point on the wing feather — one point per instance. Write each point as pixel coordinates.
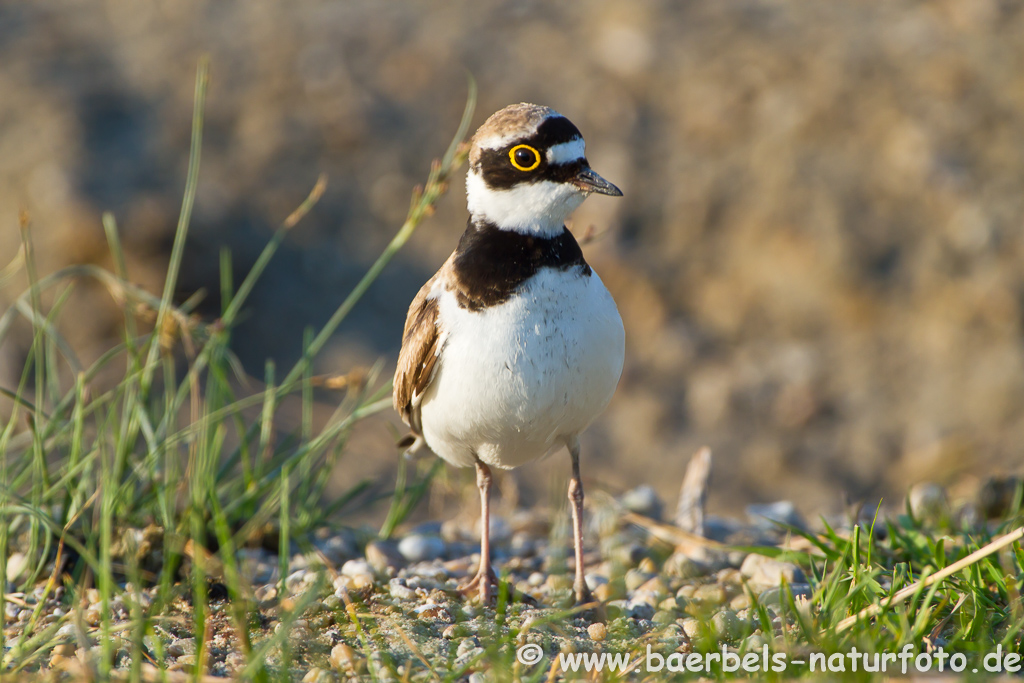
(421, 346)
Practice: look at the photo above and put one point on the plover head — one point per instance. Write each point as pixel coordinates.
(528, 170)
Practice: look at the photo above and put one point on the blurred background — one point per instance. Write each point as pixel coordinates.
(819, 257)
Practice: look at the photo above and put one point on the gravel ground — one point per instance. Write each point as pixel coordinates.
(399, 600)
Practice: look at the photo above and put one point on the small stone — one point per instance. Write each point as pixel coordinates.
(594, 580)
(418, 548)
(344, 658)
(928, 502)
(636, 578)
(766, 515)
(399, 591)
(773, 596)
(663, 617)
(681, 565)
(431, 611)
(686, 592)
(691, 627)
(753, 643)
(316, 675)
(670, 604)
(710, 594)
(726, 625)
(536, 579)
(453, 631)
(642, 500)
(741, 601)
(655, 586)
(92, 616)
(294, 582)
(555, 582)
(181, 646)
(266, 595)
(647, 566)
(65, 649)
(336, 549)
(358, 567)
(382, 555)
(16, 564)
(606, 592)
(764, 572)
(597, 632)
(362, 581)
(641, 610)
(467, 646)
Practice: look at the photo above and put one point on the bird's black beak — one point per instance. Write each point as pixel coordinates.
(588, 181)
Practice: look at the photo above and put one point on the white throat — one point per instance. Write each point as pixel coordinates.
(530, 208)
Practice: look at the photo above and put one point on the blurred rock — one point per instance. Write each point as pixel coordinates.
(783, 511)
(928, 503)
(764, 572)
(642, 500)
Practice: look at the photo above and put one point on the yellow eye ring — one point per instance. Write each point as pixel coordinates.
(519, 164)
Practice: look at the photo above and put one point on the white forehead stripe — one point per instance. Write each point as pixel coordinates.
(566, 152)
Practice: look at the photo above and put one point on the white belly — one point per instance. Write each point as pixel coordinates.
(519, 379)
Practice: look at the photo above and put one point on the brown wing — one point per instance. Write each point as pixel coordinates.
(416, 361)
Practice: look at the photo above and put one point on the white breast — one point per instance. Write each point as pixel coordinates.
(521, 378)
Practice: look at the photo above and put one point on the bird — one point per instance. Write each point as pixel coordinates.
(514, 346)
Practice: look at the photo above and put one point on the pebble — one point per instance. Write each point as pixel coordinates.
(642, 500)
(65, 649)
(764, 572)
(691, 627)
(681, 565)
(336, 549)
(453, 631)
(765, 515)
(636, 578)
(266, 595)
(773, 596)
(92, 616)
(606, 592)
(295, 581)
(433, 571)
(358, 567)
(928, 502)
(384, 554)
(400, 591)
(344, 658)
(16, 564)
(316, 675)
(726, 625)
(753, 643)
(181, 646)
(710, 594)
(741, 601)
(655, 585)
(663, 617)
(597, 632)
(418, 548)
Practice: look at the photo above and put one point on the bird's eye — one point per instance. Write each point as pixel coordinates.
(524, 157)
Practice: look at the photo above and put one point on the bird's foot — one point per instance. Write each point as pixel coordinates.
(592, 607)
(487, 590)
(484, 585)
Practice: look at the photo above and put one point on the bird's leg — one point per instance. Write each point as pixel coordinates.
(583, 595)
(485, 577)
